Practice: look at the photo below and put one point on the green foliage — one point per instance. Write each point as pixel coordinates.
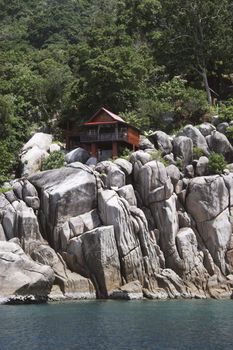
(54, 161)
(157, 155)
(66, 59)
(216, 163)
(135, 119)
(229, 133)
(180, 164)
(4, 189)
(197, 152)
(225, 111)
(174, 104)
(7, 162)
(125, 153)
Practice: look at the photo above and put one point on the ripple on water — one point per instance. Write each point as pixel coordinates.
(134, 325)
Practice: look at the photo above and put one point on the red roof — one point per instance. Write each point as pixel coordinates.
(112, 115)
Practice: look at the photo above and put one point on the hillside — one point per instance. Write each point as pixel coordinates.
(158, 63)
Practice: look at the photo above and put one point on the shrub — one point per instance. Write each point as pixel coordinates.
(229, 133)
(180, 164)
(225, 111)
(7, 162)
(157, 155)
(125, 153)
(197, 152)
(216, 163)
(54, 161)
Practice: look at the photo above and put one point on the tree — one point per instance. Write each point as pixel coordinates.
(196, 37)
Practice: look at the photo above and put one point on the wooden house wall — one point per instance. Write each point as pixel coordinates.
(133, 136)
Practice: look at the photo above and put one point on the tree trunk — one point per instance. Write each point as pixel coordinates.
(207, 88)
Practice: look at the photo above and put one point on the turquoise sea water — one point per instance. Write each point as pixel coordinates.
(133, 325)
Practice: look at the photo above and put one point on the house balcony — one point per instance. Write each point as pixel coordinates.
(101, 137)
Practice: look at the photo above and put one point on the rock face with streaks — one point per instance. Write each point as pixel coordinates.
(124, 229)
(20, 276)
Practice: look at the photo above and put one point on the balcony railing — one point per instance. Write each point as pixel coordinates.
(95, 137)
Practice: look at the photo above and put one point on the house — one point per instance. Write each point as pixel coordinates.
(104, 135)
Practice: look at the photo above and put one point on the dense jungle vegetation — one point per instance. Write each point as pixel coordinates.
(156, 63)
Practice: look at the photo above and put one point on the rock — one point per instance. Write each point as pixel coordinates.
(101, 256)
(183, 148)
(65, 193)
(129, 291)
(184, 219)
(33, 202)
(144, 143)
(27, 229)
(54, 147)
(76, 225)
(222, 127)
(69, 285)
(21, 276)
(216, 234)
(215, 120)
(9, 222)
(228, 180)
(174, 174)
(127, 192)
(202, 166)
(2, 234)
(166, 219)
(39, 140)
(18, 189)
(169, 158)
(187, 247)
(219, 143)
(124, 165)
(162, 142)
(10, 196)
(230, 167)
(65, 235)
(77, 155)
(189, 171)
(198, 139)
(153, 184)
(135, 248)
(28, 190)
(115, 177)
(206, 197)
(206, 129)
(92, 161)
(102, 167)
(31, 160)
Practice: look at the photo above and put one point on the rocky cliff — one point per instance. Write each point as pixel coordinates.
(122, 229)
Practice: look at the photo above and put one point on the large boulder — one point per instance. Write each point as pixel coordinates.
(206, 129)
(69, 284)
(162, 142)
(202, 166)
(153, 183)
(40, 140)
(77, 155)
(198, 139)
(144, 143)
(166, 219)
(219, 143)
(65, 193)
(128, 193)
(183, 149)
(101, 256)
(216, 234)
(206, 197)
(20, 276)
(124, 165)
(31, 160)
